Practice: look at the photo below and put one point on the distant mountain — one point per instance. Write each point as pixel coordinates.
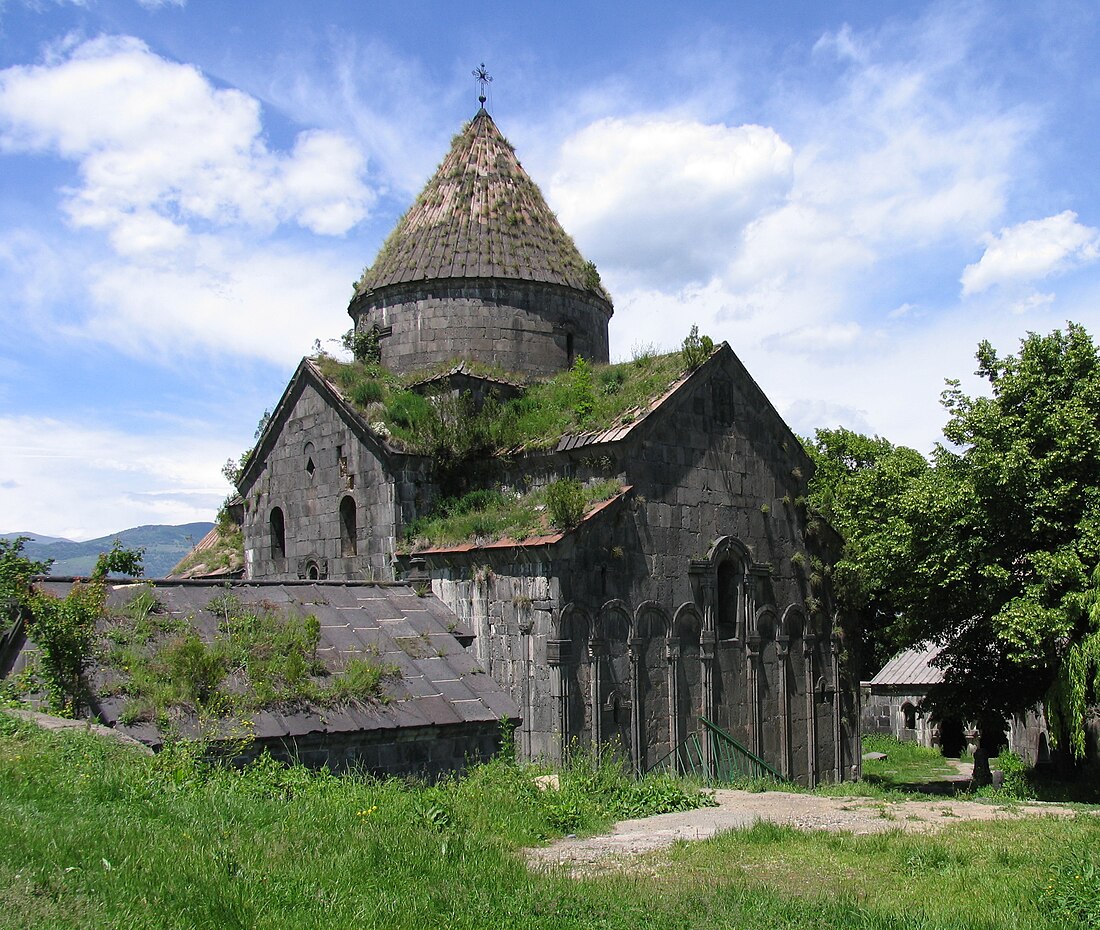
(34, 537)
(164, 546)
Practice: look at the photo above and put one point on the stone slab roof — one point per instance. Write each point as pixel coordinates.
(439, 684)
(481, 216)
(911, 667)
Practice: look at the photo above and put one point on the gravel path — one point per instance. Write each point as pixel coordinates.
(741, 809)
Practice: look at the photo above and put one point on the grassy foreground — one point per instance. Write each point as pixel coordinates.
(94, 836)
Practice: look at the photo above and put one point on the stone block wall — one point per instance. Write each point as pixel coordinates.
(884, 713)
(522, 326)
(420, 752)
(318, 462)
(644, 609)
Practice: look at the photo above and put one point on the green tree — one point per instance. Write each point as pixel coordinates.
(1004, 568)
(993, 551)
(857, 485)
(16, 572)
(63, 628)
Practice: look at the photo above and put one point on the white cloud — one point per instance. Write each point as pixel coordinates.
(877, 168)
(668, 198)
(1031, 251)
(820, 338)
(160, 149)
(218, 296)
(79, 482)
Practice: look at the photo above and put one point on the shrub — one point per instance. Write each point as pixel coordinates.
(1016, 782)
(565, 500)
(696, 349)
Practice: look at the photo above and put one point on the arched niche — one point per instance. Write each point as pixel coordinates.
(612, 705)
(570, 633)
(349, 534)
(277, 530)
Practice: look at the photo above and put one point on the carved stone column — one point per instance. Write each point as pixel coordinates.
(707, 645)
(597, 649)
(557, 656)
(752, 681)
(808, 643)
(838, 708)
(637, 747)
(782, 651)
(526, 659)
(672, 653)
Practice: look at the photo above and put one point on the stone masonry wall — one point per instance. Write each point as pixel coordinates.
(315, 434)
(415, 752)
(535, 329)
(606, 634)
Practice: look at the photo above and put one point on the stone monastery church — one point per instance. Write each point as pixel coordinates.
(690, 603)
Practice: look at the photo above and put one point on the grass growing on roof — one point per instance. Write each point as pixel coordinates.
(227, 553)
(260, 658)
(584, 399)
(493, 514)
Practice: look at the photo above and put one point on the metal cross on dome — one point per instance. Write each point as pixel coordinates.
(483, 78)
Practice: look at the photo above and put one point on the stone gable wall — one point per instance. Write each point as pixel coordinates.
(520, 326)
(343, 467)
(608, 634)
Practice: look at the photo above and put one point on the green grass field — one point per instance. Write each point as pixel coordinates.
(94, 836)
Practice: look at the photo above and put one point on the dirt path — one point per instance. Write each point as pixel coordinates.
(741, 809)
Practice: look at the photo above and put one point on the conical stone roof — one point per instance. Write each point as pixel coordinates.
(481, 216)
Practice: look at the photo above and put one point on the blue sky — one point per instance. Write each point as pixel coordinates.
(852, 194)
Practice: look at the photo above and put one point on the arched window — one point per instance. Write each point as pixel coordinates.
(278, 534)
(728, 593)
(909, 716)
(348, 537)
(307, 451)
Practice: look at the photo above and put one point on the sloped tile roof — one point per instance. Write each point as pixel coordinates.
(911, 667)
(480, 216)
(439, 683)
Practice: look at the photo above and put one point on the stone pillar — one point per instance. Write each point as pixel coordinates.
(527, 702)
(707, 646)
(672, 653)
(557, 656)
(838, 708)
(637, 747)
(808, 643)
(782, 650)
(597, 649)
(703, 571)
(752, 680)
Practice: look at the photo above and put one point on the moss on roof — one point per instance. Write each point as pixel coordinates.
(481, 216)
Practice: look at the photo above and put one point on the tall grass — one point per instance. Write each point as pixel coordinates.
(92, 836)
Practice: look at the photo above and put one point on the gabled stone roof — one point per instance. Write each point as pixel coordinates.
(481, 216)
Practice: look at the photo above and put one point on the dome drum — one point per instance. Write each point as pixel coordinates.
(520, 326)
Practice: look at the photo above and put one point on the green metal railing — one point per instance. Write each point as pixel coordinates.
(729, 762)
